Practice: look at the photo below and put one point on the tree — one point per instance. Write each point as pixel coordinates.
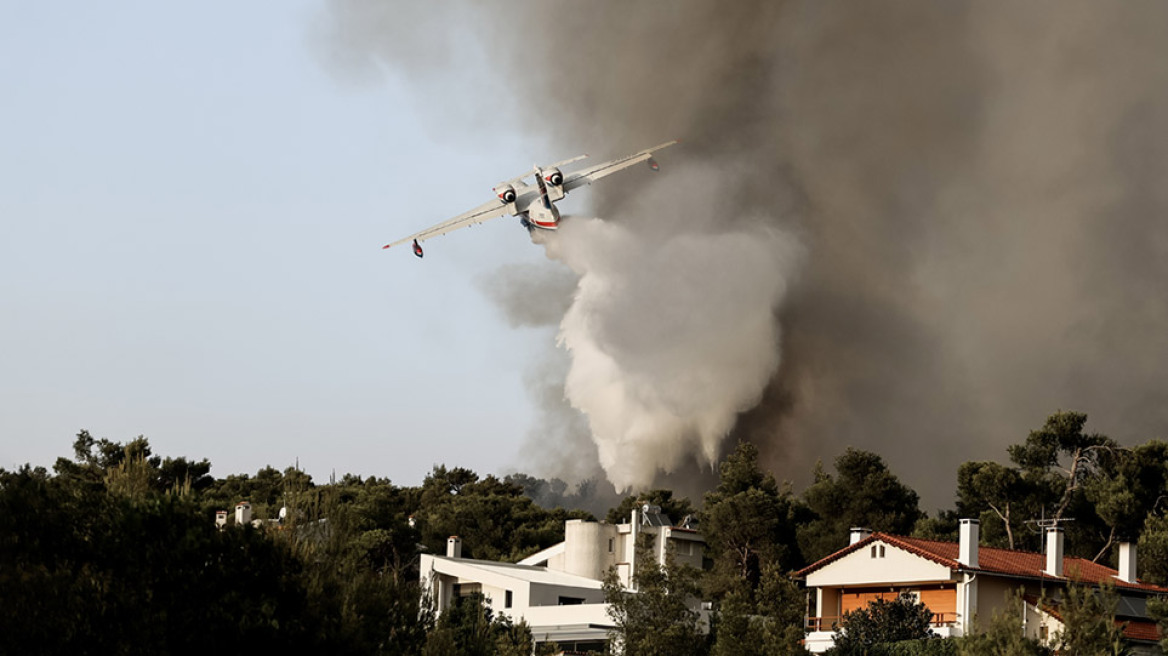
(360, 566)
(133, 466)
(749, 525)
(1060, 471)
(1063, 455)
(676, 508)
(942, 528)
(1158, 610)
(1153, 550)
(70, 583)
(495, 519)
(657, 619)
(737, 629)
(782, 604)
(881, 622)
(1128, 487)
(1089, 625)
(512, 639)
(1000, 490)
(748, 522)
(1004, 636)
(469, 620)
(768, 622)
(863, 493)
(469, 628)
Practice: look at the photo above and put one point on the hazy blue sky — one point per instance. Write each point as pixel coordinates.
(192, 206)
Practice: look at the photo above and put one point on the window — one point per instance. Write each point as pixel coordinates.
(881, 551)
(873, 551)
(611, 545)
(467, 589)
(571, 601)
(507, 599)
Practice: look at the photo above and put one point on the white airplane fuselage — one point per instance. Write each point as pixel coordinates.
(540, 204)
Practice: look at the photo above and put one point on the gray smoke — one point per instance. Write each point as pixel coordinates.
(978, 187)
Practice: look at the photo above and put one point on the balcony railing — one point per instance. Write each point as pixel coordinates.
(829, 623)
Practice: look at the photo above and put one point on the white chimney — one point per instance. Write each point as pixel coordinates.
(1127, 562)
(1054, 551)
(454, 547)
(859, 534)
(969, 536)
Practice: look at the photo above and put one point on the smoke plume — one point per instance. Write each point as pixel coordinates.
(670, 335)
(977, 188)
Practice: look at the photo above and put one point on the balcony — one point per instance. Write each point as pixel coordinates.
(821, 630)
(828, 623)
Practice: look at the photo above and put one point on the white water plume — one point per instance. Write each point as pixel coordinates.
(670, 337)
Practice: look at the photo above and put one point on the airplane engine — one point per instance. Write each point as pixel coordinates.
(506, 193)
(553, 176)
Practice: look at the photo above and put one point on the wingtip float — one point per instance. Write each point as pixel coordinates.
(416, 246)
(534, 202)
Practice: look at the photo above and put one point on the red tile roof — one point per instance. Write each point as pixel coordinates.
(1142, 630)
(1006, 562)
(1133, 629)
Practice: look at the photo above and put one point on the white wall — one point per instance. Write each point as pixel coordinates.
(897, 565)
(586, 551)
(567, 615)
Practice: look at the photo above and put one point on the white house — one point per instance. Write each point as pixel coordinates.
(964, 584)
(559, 591)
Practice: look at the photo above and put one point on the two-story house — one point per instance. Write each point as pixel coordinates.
(964, 584)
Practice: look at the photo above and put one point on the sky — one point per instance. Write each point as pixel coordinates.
(916, 229)
(192, 205)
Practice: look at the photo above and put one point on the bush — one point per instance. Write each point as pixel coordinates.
(924, 647)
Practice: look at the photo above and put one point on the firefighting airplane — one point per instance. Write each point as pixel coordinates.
(534, 203)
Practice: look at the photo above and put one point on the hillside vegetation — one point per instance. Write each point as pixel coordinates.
(116, 549)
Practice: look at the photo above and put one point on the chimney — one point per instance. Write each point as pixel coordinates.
(859, 534)
(970, 535)
(242, 513)
(1054, 551)
(1127, 562)
(454, 547)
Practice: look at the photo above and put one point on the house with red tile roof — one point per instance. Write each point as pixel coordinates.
(965, 584)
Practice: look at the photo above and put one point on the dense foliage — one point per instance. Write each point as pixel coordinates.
(656, 619)
(116, 550)
(882, 622)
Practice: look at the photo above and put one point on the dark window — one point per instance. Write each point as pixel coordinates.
(467, 589)
(571, 601)
(507, 600)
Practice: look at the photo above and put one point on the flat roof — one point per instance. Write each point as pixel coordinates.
(529, 573)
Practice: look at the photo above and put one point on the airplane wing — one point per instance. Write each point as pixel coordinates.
(530, 173)
(488, 210)
(589, 175)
